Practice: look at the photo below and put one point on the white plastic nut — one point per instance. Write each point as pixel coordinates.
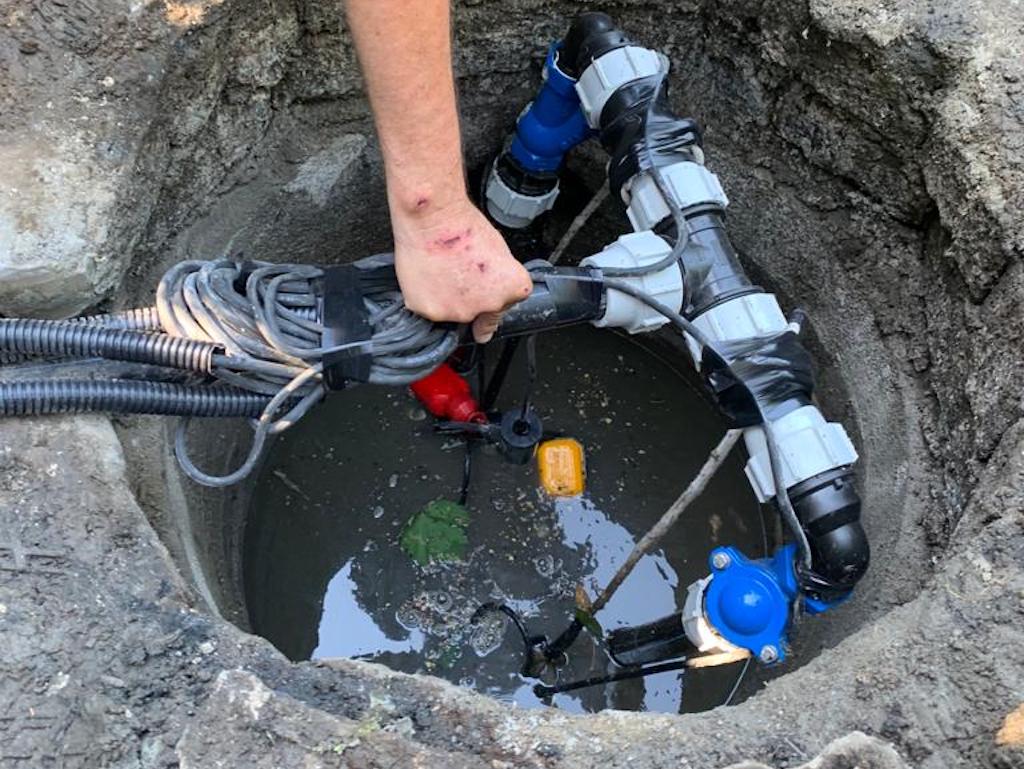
(511, 208)
(691, 184)
(808, 446)
(745, 317)
(695, 624)
(639, 249)
(610, 71)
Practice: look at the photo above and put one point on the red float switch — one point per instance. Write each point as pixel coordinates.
(448, 396)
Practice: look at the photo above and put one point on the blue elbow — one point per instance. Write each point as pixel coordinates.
(553, 123)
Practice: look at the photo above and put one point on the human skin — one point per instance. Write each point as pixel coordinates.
(452, 264)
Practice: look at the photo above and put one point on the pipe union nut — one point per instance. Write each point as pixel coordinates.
(512, 209)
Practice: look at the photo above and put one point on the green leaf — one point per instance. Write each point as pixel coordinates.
(449, 657)
(588, 621)
(436, 533)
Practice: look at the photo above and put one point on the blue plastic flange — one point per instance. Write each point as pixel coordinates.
(552, 124)
(748, 602)
(817, 605)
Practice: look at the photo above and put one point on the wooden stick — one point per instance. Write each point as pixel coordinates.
(652, 537)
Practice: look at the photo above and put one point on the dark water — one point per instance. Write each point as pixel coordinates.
(326, 577)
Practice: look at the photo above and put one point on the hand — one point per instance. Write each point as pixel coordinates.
(454, 266)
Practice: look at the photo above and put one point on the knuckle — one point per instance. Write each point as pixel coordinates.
(421, 307)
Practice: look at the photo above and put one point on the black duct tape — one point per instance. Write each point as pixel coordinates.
(345, 320)
(766, 375)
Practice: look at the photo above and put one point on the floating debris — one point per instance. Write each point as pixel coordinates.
(437, 533)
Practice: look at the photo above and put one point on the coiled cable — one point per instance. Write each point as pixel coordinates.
(251, 329)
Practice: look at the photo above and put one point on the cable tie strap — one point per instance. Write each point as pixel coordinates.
(345, 320)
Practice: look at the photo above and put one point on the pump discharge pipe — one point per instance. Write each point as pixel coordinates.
(680, 255)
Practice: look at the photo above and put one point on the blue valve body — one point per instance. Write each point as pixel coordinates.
(552, 124)
(748, 601)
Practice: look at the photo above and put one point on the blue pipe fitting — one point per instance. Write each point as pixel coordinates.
(748, 602)
(814, 606)
(552, 124)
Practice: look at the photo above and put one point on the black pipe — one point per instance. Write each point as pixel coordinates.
(497, 380)
(765, 378)
(661, 639)
(544, 691)
(712, 272)
(828, 508)
(79, 396)
(559, 299)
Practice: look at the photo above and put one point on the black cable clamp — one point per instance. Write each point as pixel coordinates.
(345, 320)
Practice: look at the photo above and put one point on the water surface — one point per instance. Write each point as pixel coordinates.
(326, 576)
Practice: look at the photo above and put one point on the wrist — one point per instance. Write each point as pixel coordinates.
(420, 188)
(427, 201)
(428, 206)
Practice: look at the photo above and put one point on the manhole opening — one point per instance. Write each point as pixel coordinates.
(326, 573)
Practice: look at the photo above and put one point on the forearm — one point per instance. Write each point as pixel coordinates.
(405, 50)
(451, 263)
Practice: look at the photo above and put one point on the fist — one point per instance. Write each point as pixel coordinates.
(454, 266)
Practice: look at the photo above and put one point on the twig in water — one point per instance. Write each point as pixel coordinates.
(291, 485)
(577, 223)
(655, 534)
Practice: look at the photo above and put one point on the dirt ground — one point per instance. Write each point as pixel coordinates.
(874, 157)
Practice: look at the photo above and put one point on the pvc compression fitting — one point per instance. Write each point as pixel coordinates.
(798, 459)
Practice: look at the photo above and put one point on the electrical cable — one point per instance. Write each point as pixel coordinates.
(467, 473)
(497, 380)
(688, 328)
(265, 427)
(530, 643)
(531, 374)
(746, 662)
(682, 230)
(478, 361)
(253, 326)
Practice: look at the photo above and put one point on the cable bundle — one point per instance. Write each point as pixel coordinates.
(249, 331)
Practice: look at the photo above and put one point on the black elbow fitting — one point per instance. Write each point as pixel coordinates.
(828, 508)
(590, 35)
(638, 128)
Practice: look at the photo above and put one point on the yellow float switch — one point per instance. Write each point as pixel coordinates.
(560, 462)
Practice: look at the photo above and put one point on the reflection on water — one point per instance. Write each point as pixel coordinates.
(326, 577)
(347, 631)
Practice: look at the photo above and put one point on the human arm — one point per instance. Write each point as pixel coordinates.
(451, 262)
